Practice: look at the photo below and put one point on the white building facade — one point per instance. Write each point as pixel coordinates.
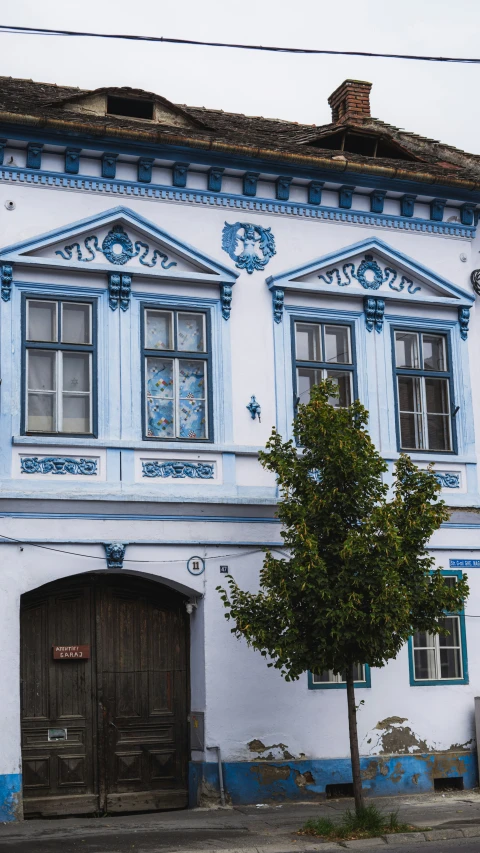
(169, 294)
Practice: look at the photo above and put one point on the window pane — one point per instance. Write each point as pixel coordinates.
(450, 581)
(409, 394)
(190, 332)
(193, 422)
(411, 435)
(434, 352)
(41, 413)
(75, 323)
(337, 344)
(160, 417)
(436, 391)
(41, 370)
(451, 624)
(306, 378)
(159, 378)
(423, 639)
(411, 424)
(450, 663)
(406, 350)
(359, 672)
(343, 381)
(76, 372)
(191, 379)
(42, 321)
(438, 432)
(158, 330)
(76, 413)
(325, 677)
(424, 660)
(308, 342)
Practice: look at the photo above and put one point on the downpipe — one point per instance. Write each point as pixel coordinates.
(220, 773)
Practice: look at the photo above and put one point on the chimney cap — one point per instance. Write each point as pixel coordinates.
(350, 99)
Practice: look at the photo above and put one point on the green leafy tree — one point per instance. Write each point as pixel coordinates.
(359, 580)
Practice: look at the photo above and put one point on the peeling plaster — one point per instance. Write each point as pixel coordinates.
(303, 779)
(396, 739)
(280, 751)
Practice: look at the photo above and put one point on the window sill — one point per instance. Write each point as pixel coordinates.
(147, 445)
(442, 682)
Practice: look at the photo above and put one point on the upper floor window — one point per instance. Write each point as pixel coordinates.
(58, 368)
(423, 384)
(177, 382)
(441, 657)
(328, 678)
(324, 351)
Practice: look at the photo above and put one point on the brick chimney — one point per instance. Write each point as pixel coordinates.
(350, 101)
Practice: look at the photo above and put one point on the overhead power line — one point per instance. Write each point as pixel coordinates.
(37, 31)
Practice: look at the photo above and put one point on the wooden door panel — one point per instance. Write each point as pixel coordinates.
(56, 695)
(146, 735)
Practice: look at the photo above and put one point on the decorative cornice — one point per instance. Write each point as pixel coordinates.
(57, 465)
(262, 205)
(179, 470)
(448, 479)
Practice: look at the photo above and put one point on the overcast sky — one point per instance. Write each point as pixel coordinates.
(436, 100)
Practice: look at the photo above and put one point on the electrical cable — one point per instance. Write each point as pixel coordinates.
(94, 557)
(38, 31)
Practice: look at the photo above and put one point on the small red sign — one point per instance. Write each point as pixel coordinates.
(71, 652)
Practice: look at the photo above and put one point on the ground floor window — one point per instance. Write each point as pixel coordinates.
(440, 658)
(328, 678)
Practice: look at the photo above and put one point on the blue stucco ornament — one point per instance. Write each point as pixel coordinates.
(117, 248)
(249, 235)
(370, 275)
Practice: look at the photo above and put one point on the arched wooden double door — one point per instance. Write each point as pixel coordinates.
(104, 728)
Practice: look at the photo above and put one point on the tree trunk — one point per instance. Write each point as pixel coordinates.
(352, 730)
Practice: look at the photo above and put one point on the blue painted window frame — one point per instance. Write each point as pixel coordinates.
(335, 685)
(175, 307)
(352, 368)
(463, 639)
(91, 348)
(422, 329)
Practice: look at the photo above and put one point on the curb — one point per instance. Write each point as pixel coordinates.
(362, 844)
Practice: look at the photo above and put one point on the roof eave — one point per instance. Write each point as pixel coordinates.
(255, 152)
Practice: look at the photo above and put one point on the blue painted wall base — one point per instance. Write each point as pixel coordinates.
(265, 781)
(10, 797)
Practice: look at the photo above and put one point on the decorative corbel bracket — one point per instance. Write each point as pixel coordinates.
(115, 554)
(226, 299)
(278, 299)
(374, 313)
(119, 290)
(463, 318)
(6, 282)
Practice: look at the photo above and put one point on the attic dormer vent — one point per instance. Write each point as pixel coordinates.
(129, 107)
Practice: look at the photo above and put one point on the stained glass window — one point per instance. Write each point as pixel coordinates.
(176, 383)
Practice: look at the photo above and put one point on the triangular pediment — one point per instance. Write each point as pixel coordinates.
(372, 267)
(118, 240)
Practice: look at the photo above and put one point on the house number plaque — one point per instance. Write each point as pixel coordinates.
(71, 652)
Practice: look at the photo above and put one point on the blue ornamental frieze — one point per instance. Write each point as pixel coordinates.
(448, 479)
(370, 276)
(252, 237)
(117, 248)
(57, 465)
(179, 470)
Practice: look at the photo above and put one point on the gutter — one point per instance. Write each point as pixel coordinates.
(308, 160)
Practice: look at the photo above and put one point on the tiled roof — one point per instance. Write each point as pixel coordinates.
(51, 106)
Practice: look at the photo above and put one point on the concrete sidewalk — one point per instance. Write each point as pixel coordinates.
(248, 829)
